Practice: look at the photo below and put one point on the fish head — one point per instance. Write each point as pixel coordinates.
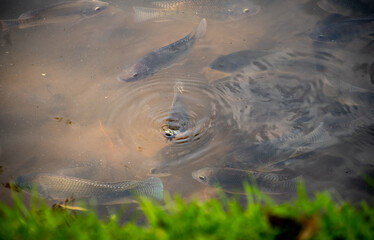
(317, 35)
(241, 10)
(326, 33)
(170, 134)
(134, 72)
(25, 182)
(93, 7)
(205, 176)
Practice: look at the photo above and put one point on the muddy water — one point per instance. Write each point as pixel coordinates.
(64, 111)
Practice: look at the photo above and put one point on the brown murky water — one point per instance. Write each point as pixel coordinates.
(64, 111)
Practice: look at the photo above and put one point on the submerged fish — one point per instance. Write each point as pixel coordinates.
(231, 180)
(179, 119)
(257, 60)
(71, 11)
(220, 10)
(266, 155)
(58, 187)
(346, 7)
(163, 57)
(337, 29)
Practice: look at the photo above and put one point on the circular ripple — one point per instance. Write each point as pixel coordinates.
(139, 111)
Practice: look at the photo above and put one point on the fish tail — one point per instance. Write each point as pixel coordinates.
(5, 26)
(143, 14)
(151, 188)
(178, 87)
(201, 29)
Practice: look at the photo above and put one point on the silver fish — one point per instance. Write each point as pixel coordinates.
(347, 7)
(71, 11)
(163, 57)
(218, 10)
(231, 180)
(59, 187)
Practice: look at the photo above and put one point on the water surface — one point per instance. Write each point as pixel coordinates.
(63, 110)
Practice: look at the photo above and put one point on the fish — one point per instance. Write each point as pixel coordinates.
(163, 57)
(216, 10)
(231, 180)
(179, 119)
(338, 29)
(70, 11)
(347, 7)
(265, 156)
(57, 187)
(256, 60)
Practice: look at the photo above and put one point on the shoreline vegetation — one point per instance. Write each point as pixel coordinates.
(261, 218)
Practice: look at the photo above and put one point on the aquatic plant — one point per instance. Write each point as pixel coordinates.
(320, 218)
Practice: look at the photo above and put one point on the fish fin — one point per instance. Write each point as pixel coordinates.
(7, 24)
(151, 188)
(71, 207)
(178, 87)
(214, 75)
(201, 29)
(327, 7)
(7, 39)
(143, 14)
(25, 15)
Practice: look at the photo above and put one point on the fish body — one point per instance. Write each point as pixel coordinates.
(163, 57)
(70, 11)
(179, 119)
(343, 29)
(231, 180)
(219, 10)
(346, 7)
(59, 187)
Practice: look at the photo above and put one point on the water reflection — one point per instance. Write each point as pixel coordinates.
(260, 94)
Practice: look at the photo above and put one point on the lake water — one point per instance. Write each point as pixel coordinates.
(62, 109)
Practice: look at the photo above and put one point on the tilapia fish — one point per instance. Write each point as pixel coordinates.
(179, 119)
(219, 10)
(257, 60)
(58, 187)
(71, 11)
(347, 7)
(231, 180)
(266, 155)
(338, 29)
(163, 57)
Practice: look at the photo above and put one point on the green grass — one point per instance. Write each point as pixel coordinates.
(320, 218)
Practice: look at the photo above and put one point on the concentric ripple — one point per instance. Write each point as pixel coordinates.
(139, 111)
